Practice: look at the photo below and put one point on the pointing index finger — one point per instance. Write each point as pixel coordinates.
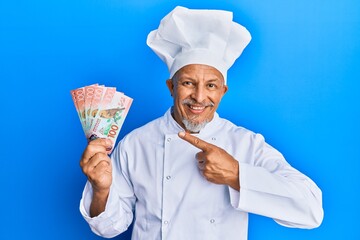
(195, 141)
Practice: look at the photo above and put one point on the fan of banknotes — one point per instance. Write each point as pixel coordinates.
(102, 110)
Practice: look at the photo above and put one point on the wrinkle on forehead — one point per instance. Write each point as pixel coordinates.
(198, 71)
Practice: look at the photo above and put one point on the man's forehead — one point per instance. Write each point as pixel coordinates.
(193, 71)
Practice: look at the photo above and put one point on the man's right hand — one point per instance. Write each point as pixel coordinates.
(96, 165)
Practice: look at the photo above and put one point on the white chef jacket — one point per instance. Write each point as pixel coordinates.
(156, 182)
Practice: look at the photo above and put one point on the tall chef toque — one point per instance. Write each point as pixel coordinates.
(208, 37)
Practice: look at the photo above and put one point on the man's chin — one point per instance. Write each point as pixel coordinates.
(194, 126)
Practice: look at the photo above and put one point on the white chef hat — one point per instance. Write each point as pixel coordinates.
(208, 37)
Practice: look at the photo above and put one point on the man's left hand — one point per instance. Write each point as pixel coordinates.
(216, 165)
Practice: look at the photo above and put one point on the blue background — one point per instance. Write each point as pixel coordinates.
(297, 83)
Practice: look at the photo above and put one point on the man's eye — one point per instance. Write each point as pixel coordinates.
(187, 83)
(211, 85)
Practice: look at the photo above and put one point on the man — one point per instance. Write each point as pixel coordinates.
(191, 174)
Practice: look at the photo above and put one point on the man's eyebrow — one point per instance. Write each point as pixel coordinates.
(186, 78)
(189, 78)
(214, 80)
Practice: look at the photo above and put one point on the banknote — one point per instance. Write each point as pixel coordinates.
(102, 110)
(79, 101)
(110, 118)
(99, 104)
(89, 92)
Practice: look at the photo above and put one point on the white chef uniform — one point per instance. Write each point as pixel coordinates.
(155, 172)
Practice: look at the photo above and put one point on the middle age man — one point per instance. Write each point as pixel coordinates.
(191, 174)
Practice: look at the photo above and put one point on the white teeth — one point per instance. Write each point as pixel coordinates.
(197, 108)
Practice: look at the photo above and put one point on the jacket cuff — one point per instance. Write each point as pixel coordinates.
(106, 219)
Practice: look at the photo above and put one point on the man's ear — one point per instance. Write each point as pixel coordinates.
(225, 89)
(170, 85)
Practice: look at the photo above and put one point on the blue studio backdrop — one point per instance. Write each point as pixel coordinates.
(297, 83)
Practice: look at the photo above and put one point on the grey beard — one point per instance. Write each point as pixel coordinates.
(194, 127)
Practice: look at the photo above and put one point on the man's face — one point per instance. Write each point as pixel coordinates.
(197, 90)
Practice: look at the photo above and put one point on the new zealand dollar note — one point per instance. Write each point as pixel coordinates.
(101, 110)
(110, 117)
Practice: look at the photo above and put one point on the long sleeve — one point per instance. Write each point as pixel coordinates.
(270, 187)
(118, 213)
(155, 172)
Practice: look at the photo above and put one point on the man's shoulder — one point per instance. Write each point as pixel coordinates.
(150, 130)
(234, 135)
(235, 132)
(231, 127)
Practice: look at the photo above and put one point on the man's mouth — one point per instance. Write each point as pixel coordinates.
(196, 109)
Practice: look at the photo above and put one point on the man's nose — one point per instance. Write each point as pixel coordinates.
(199, 94)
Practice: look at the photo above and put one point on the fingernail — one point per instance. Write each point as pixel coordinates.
(181, 134)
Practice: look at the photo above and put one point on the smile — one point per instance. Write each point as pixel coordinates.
(196, 109)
